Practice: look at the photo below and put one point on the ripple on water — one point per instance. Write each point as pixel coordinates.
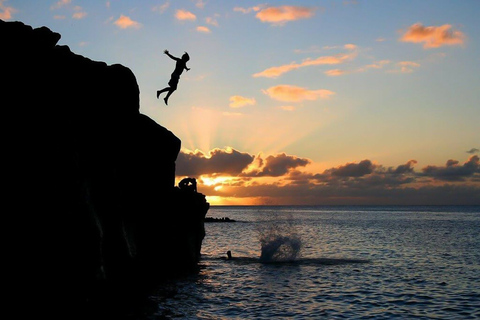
(352, 264)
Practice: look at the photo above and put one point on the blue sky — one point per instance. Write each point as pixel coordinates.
(331, 83)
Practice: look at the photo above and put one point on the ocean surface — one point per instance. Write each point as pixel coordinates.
(315, 262)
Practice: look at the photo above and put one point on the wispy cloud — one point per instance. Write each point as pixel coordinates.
(6, 12)
(275, 72)
(280, 15)
(161, 8)
(60, 4)
(375, 65)
(203, 29)
(200, 4)
(239, 101)
(185, 15)
(79, 13)
(473, 150)
(433, 36)
(291, 93)
(336, 72)
(211, 21)
(288, 108)
(248, 10)
(125, 22)
(406, 66)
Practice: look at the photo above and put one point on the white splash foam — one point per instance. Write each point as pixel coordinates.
(279, 242)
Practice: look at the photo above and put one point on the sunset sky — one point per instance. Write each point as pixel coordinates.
(299, 102)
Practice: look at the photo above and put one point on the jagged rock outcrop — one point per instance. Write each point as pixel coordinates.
(90, 179)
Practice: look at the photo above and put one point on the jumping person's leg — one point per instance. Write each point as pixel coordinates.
(168, 95)
(159, 92)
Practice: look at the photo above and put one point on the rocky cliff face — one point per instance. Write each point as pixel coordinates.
(90, 179)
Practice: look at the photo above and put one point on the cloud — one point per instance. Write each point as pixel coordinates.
(287, 108)
(6, 13)
(125, 22)
(325, 194)
(350, 46)
(277, 165)
(335, 72)
(375, 65)
(200, 4)
(282, 14)
(211, 21)
(407, 66)
(79, 15)
(275, 72)
(473, 150)
(353, 169)
(408, 63)
(161, 8)
(203, 29)
(239, 101)
(185, 15)
(403, 168)
(218, 161)
(364, 182)
(60, 4)
(247, 10)
(452, 171)
(433, 36)
(290, 93)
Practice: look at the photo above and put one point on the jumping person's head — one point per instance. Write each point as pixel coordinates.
(185, 57)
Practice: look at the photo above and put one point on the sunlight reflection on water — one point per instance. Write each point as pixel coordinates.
(379, 263)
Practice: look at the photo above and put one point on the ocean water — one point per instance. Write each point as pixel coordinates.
(333, 263)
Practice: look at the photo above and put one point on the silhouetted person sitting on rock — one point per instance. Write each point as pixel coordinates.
(188, 184)
(180, 65)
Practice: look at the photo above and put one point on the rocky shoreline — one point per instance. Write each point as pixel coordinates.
(224, 219)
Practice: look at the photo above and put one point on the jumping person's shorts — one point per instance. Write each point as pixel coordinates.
(173, 81)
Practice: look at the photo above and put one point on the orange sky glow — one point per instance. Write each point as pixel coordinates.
(304, 102)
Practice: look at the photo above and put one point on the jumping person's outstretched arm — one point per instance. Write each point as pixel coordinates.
(171, 57)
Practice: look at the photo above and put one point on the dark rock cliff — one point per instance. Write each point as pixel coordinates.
(91, 195)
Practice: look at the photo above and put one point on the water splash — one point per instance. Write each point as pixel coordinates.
(279, 241)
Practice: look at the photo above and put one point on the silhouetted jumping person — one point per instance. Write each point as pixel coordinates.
(179, 66)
